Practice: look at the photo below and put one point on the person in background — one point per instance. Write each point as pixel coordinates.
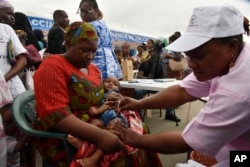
(12, 62)
(27, 37)
(146, 54)
(177, 34)
(22, 24)
(137, 57)
(7, 13)
(40, 36)
(10, 66)
(144, 46)
(172, 74)
(176, 56)
(145, 72)
(246, 25)
(125, 49)
(118, 52)
(132, 52)
(14, 147)
(105, 58)
(56, 33)
(222, 125)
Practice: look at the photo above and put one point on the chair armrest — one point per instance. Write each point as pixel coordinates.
(38, 133)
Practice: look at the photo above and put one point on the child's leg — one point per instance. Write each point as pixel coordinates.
(97, 122)
(92, 161)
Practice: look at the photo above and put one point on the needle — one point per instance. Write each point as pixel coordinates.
(118, 108)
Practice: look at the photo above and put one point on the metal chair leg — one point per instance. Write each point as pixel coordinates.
(188, 112)
(175, 116)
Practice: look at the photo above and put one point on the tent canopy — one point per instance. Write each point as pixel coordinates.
(142, 17)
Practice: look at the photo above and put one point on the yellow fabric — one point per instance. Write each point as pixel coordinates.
(145, 56)
(79, 31)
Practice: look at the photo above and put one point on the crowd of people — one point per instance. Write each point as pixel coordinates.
(84, 68)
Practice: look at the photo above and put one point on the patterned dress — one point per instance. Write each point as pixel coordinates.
(105, 58)
(60, 90)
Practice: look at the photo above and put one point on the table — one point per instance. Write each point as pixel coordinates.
(156, 85)
(153, 85)
(149, 84)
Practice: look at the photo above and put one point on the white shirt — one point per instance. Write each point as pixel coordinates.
(6, 33)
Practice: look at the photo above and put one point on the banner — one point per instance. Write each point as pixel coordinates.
(122, 36)
(45, 24)
(40, 23)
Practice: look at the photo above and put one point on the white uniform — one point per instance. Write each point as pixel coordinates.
(6, 33)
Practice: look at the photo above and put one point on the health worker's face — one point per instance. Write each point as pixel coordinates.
(212, 59)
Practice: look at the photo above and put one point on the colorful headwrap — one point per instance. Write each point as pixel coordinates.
(79, 31)
(5, 4)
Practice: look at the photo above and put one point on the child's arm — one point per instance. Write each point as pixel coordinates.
(97, 111)
(21, 143)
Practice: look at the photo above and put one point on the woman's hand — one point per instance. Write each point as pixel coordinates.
(105, 140)
(126, 134)
(113, 96)
(109, 142)
(113, 101)
(126, 103)
(21, 63)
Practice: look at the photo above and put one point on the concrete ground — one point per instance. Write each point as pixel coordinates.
(158, 124)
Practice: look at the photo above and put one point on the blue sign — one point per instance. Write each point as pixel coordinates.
(122, 36)
(46, 24)
(40, 23)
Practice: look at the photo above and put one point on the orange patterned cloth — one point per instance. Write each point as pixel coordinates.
(132, 158)
(63, 90)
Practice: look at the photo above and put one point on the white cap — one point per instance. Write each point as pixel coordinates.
(207, 23)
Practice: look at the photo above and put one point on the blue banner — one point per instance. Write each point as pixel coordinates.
(122, 36)
(40, 23)
(46, 24)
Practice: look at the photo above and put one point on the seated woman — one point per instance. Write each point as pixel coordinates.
(104, 114)
(66, 86)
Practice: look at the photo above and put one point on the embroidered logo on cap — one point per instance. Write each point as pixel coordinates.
(193, 21)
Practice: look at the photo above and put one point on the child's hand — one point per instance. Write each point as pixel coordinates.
(93, 111)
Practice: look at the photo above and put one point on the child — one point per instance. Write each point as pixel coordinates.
(110, 85)
(105, 115)
(13, 148)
